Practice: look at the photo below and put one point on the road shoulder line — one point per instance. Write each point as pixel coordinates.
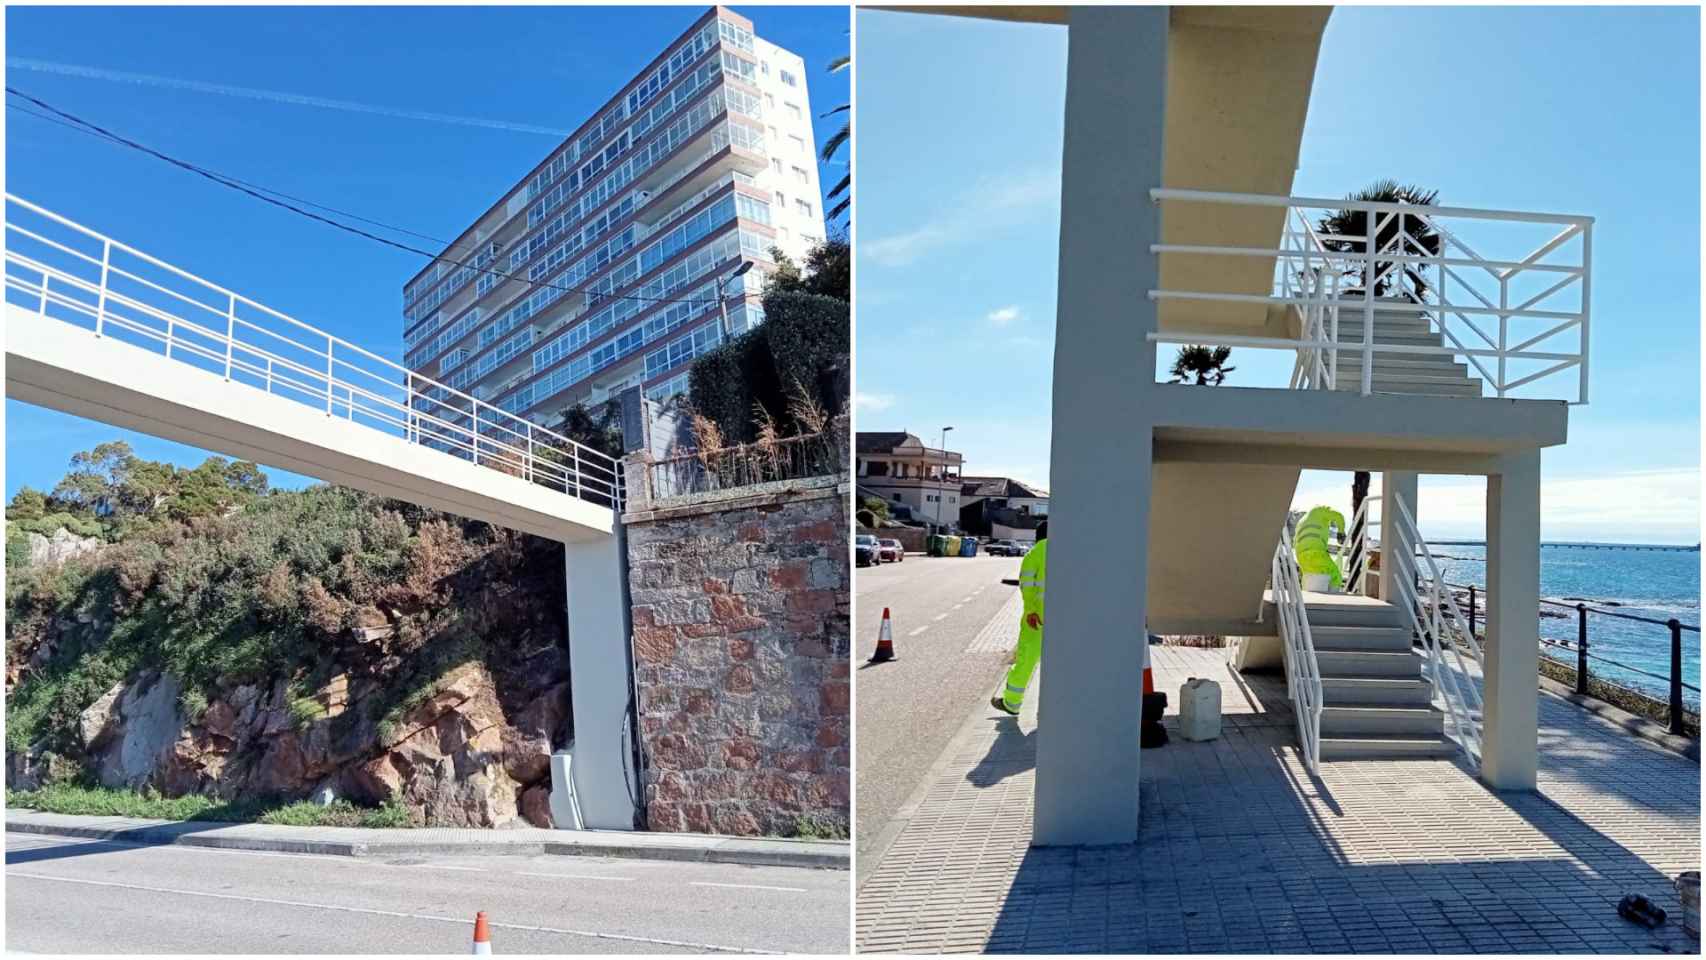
(359, 842)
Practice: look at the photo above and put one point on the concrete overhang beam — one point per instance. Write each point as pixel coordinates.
(1343, 430)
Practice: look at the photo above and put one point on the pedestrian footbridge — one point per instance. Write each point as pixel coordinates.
(99, 329)
(102, 330)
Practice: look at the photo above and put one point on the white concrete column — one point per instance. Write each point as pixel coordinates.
(601, 668)
(1510, 733)
(1396, 565)
(1102, 444)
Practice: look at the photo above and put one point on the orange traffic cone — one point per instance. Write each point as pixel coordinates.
(482, 936)
(885, 642)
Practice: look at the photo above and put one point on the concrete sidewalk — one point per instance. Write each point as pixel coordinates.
(1241, 850)
(439, 841)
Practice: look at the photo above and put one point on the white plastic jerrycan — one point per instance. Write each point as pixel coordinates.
(1199, 709)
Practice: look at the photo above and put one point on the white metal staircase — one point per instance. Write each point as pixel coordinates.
(1376, 703)
(1427, 374)
(1375, 679)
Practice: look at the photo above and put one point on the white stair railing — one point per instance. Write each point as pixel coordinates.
(1434, 617)
(1518, 317)
(1302, 672)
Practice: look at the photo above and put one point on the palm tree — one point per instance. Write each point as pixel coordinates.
(844, 188)
(1346, 231)
(1207, 365)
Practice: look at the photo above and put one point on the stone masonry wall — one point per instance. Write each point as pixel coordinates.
(741, 643)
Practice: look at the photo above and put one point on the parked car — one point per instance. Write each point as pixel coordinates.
(1004, 548)
(866, 551)
(890, 551)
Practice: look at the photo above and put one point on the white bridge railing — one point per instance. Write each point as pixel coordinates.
(1516, 320)
(68, 272)
(1435, 618)
(1302, 671)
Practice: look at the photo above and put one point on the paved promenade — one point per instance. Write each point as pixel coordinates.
(1241, 850)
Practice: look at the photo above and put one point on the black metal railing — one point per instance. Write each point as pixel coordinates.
(1582, 650)
(789, 458)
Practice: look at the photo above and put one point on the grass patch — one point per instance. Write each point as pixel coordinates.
(819, 828)
(105, 802)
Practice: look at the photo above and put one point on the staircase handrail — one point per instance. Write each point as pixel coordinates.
(1303, 671)
(1439, 626)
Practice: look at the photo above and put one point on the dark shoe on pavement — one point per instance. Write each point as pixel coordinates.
(1000, 704)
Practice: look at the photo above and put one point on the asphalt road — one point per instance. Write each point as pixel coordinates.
(910, 708)
(68, 895)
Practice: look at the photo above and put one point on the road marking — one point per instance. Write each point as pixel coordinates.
(748, 886)
(918, 630)
(374, 912)
(570, 876)
(967, 598)
(937, 617)
(59, 839)
(439, 866)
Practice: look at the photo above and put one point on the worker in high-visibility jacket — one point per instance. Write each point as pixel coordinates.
(1033, 571)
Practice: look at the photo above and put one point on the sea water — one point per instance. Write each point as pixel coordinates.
(1657, 583)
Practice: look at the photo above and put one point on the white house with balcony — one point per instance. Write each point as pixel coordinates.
(1179, 226)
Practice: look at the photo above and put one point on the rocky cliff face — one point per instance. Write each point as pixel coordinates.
(448, 699)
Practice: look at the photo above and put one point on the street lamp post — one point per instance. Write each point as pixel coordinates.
(723, 301)
(944, 449)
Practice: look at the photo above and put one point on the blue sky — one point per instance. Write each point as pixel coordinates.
(1571, 110)
(547, 67)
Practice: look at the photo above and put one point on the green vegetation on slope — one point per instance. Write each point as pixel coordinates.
(102, 802)
(244, 587)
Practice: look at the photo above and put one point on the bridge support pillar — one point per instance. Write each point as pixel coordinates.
(601, 664)
(1510, 732)
(1087, 747)
(1396, 565)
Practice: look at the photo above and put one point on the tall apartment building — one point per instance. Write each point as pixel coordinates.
(703, 160)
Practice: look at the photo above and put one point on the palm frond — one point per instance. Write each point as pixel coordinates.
(835, 142)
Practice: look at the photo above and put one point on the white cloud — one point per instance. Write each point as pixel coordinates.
(1644, 506)
(874, 402)
(1003, 316)
(992, 202)
(903, 248)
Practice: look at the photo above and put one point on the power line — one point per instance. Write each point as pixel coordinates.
(278, 193)
(256, 193)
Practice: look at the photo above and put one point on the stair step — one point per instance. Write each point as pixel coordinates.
(1414, 388)
(1382, 748)
(1381, 719)
(1347, 612)
(1351, 342)
(1427, 364)
(1365, 663)
(1389, 322)
(1384, 375)
(1374, 639)
(1377, 691)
